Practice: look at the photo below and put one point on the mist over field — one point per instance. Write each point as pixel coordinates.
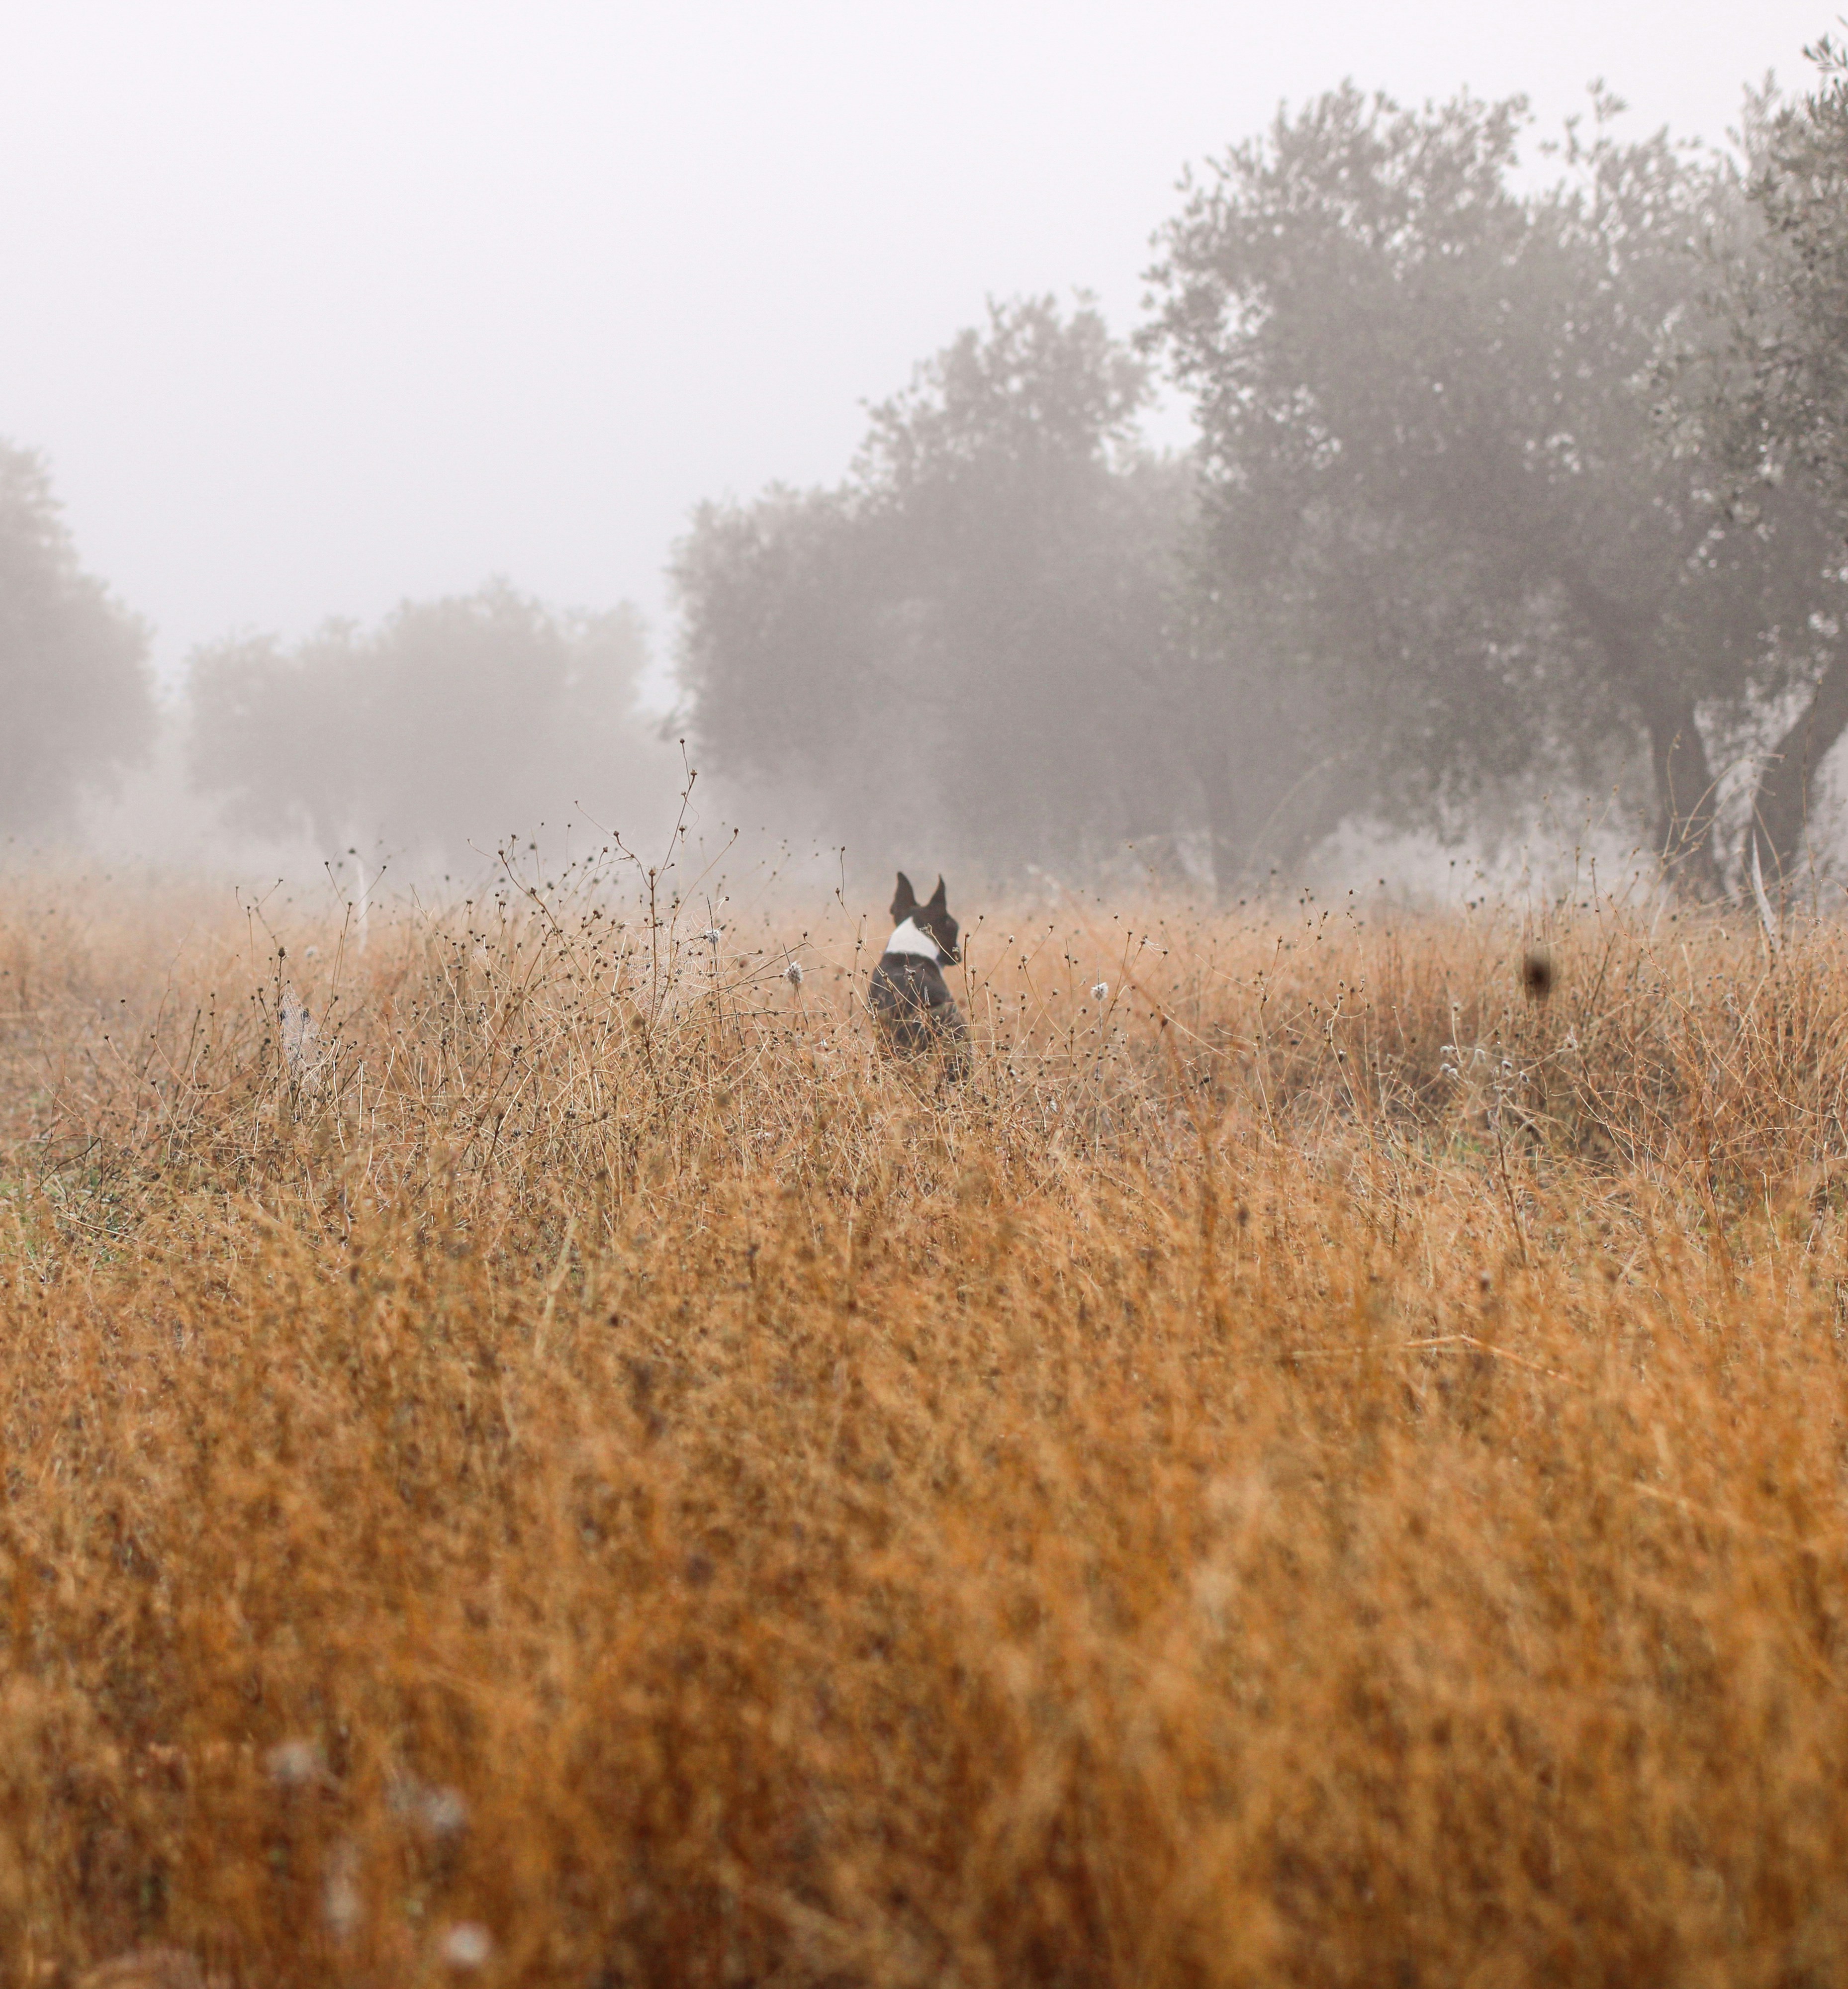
(1381, 479)
(922, 1045)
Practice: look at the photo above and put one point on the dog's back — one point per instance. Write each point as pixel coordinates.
(910, 999)
(916, 1010)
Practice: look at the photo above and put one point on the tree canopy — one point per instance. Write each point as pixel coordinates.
(454, 723)
(1759, 392)
(1449, 530)
(1432, 452)
(1504, 477)
(1777, 393)
(73, 662)
(958, 636)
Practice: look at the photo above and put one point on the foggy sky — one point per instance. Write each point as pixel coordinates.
(316, 307)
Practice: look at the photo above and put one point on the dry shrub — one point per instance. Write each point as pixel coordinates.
(531, 1452)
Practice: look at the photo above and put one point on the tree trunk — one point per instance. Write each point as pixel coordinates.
(1266, 809)
(1683, 775)
(1780, 807)
(1684, 797)
(1227, 818)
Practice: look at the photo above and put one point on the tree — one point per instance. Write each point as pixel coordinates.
(1433, 467)
(1761, 391)
(73, 663)
(959, 637)
(455, 723)
(1782, 406)
(783, 648)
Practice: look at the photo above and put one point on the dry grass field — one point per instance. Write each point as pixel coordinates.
(533, 1456)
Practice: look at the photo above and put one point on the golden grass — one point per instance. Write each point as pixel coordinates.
(574, 1471)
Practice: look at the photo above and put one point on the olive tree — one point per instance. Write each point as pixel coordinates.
(453, 724)
(74, 680)
(960, 637)
(1436, 472)
(1759, 389)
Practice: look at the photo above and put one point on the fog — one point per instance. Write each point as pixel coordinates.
(314, 312)
(313, 308)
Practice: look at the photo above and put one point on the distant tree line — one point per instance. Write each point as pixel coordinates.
(1498, 484)
(1494, 485)
(450, 726)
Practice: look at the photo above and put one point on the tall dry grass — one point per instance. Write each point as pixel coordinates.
(531, 1453)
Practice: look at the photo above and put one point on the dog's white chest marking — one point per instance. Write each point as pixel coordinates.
(911, 937)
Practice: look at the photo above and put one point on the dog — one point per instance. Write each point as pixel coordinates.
(910, 1000)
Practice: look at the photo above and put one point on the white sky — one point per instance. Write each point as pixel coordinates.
(314, 307)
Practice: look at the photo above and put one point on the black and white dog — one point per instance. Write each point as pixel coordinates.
(910, 997)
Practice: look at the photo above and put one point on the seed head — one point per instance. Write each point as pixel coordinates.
(342, 1904)
(467, 1944)
(793, 974)
(1100, 992)
(294, 1763)
(438, 1812)
(443, 1813)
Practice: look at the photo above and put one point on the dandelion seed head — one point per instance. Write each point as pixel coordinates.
(341, 1906)
(439, 1812)
(467, 1945)
(443, 1812)
(294, 1763)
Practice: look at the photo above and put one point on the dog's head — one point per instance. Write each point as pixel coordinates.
(932, 917)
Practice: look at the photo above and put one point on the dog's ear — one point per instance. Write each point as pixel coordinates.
(905, 904)
(939, 901)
